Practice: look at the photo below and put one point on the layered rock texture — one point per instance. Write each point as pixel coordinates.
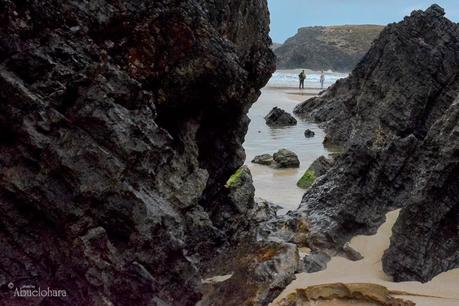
(337, 48)
(346, 294)
(120, 123)
(397, 118)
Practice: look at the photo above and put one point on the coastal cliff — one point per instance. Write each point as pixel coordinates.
(120, 124)
(337, 48)
(396, 116)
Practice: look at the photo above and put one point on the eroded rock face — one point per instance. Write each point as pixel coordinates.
(396, 117)
(345, 294)
(425, 239)
(120, 123)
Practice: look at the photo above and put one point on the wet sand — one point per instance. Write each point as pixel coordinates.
(369, 270)
(279, 185)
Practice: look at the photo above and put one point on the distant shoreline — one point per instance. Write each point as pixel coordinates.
(294, 88)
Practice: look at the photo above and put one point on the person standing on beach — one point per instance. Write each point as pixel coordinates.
(322, 79)
(302, 77)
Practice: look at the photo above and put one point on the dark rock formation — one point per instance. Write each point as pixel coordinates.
(285, 159)
(318, 168)
(425, 239)
(241, 193)
(265, 210)
(309, 134)
(279, 117)
(337, 48)
(264, 159)
(258, 270)
(120, 123)
(397, 119)
(321, 165)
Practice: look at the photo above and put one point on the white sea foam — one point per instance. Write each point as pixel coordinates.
(289, 78)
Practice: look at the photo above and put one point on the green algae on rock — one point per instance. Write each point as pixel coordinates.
(318, 168)
(234, 179)
(308, 178)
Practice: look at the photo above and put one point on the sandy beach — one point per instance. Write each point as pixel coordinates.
(369, 270)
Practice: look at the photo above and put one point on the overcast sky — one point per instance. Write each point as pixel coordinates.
(289, 15)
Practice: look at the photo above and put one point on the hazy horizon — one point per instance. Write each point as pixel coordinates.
(288, 16)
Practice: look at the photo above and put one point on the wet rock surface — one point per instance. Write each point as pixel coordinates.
(285, 159)
(264, 159)
(120, 124)
(309, 134)
(278, 117)
(396, 117)
(282, 159)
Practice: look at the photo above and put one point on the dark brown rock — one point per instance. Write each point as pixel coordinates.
(278, 117)
(285, 159)
(264, 159)
(120, 123)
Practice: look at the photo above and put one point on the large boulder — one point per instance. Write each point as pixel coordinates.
(120, 123)
(285, 159)
(278, 117)
(396, 117)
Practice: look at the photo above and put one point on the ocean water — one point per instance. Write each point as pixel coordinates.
(289, 78)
